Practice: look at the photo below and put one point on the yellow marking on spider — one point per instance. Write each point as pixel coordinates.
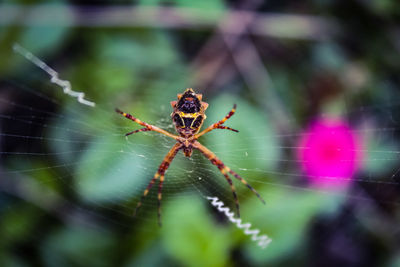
(188, 115)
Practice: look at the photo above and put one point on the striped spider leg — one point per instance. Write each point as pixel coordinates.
(160, 174)
(225, 170)
(188, 116)
(148, 127)
(218, 125)
(164, 164)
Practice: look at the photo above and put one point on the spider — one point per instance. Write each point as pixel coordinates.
(188, 116)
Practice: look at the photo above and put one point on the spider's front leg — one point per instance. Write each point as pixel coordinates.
(227, 128)
(160, 174)
(224, 170)
(148, 127)
(218, 125)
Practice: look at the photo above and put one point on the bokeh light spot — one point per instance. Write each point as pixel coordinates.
(329, 153)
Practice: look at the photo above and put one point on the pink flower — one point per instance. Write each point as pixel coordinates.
(329, 153)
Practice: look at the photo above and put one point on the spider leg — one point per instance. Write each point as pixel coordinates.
(229, 180)
(223, 168)
(161, 170)
(228, 128)
(160, 174)
(159, 196)
(148, 126)
(146, 191)
(237, 176)
(217, 124)
(140, 130)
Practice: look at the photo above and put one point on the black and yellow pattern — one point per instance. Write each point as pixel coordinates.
(188, 115)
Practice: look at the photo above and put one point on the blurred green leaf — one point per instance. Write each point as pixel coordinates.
(106, 174)
(16, 224)
(205, 4)
(377, 159)
(129, 68)
(190, 235)
(154, 255)
(40, 39)
(78, 246)
(9, 260)
(144, 49)
(285, 219)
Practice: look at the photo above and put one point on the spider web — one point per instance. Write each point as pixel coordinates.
(82, 150)
(73, 161)
(89, 148)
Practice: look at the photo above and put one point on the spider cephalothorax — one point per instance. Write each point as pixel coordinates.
(188, 117)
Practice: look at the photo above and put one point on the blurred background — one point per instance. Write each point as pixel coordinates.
(317, 89)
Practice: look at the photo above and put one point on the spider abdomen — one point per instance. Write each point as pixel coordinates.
(188, 121)
(188, 114)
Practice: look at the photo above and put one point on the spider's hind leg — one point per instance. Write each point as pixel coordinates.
(237, 176)
(146, 191)
(224, 170)
(160, 174)
(229, 180)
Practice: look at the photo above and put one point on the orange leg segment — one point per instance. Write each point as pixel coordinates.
(227, 128)
(148, 126)
(160, 174)
(136, 131)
